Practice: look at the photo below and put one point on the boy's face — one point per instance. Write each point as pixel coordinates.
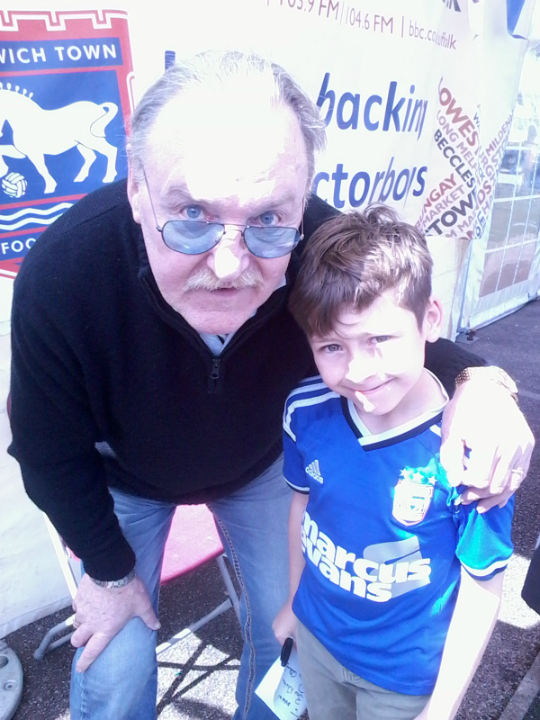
(375, 357)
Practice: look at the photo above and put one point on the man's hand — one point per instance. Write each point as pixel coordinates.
(100, 613)
(484, 417)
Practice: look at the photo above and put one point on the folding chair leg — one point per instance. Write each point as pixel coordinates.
(231, 592)
(225, 605)
(231, 601)
(48, 644)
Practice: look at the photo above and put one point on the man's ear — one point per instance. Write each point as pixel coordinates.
(133, 189)
(433, 319)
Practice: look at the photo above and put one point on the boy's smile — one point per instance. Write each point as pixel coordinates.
(375, 358)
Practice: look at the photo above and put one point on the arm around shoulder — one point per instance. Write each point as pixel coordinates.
(484, 418)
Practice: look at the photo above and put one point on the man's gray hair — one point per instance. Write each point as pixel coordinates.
(220, 68)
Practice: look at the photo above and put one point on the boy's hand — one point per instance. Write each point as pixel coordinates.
(284, 626)
(484, 417)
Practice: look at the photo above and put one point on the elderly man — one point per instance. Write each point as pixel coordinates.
(152, 354)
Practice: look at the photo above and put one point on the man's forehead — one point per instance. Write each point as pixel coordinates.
(241, 96)
(207, 143)
(206, 109)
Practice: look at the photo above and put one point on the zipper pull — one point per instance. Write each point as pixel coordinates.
(214, 376)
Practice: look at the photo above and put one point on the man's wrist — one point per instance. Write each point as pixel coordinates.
(491, 373)
(122, 582)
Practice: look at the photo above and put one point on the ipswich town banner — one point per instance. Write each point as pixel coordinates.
(65, 82)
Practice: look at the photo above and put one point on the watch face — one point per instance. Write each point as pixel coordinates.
(115, 583)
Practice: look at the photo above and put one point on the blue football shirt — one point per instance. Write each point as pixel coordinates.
(384, 538)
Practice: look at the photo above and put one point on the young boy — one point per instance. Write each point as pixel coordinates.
(395, 584)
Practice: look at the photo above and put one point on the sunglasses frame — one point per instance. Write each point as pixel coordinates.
(224, 226)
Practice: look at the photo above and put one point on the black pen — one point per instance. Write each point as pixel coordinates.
(286, 651)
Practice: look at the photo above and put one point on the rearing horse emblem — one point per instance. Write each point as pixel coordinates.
(38, 132)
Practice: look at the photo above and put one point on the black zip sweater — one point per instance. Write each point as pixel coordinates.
(98, 355)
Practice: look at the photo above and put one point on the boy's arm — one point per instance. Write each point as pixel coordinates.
(285, 623)
(474, 618)
(296, 556)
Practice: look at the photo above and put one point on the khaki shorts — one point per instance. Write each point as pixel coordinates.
(334, 692)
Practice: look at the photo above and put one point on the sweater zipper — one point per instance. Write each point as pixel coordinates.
(214, 376)
(240, 336)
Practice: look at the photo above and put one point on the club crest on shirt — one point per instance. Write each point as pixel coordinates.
(412, 495)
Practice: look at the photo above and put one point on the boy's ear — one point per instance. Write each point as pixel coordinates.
(433, 320)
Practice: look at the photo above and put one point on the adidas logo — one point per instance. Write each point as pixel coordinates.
(314, 471)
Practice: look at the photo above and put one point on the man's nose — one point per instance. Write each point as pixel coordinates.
(230, 257)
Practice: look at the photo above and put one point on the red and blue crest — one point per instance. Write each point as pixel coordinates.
(65, 95)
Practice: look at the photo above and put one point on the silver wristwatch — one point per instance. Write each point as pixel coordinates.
(489, 372)
(115, 583)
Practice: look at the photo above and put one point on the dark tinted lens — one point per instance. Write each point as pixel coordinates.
(271, 242)
(191, 237)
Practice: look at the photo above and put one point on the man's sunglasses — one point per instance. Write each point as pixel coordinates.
(194, 237)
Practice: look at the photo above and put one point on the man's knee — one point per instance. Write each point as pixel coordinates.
(119, 675)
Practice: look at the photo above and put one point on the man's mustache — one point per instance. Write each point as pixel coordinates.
(205, 279)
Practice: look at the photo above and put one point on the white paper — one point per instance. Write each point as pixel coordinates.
(282, 690)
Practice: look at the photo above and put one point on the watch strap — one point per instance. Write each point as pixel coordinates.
(122, 582)
(491, 373)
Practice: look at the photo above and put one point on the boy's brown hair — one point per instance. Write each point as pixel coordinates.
(351, 260)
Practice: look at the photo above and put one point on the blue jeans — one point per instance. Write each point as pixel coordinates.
(121, 684)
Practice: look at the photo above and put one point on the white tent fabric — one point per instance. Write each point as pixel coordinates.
(31, 582)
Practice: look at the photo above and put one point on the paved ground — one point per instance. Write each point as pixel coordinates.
(197, 678)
